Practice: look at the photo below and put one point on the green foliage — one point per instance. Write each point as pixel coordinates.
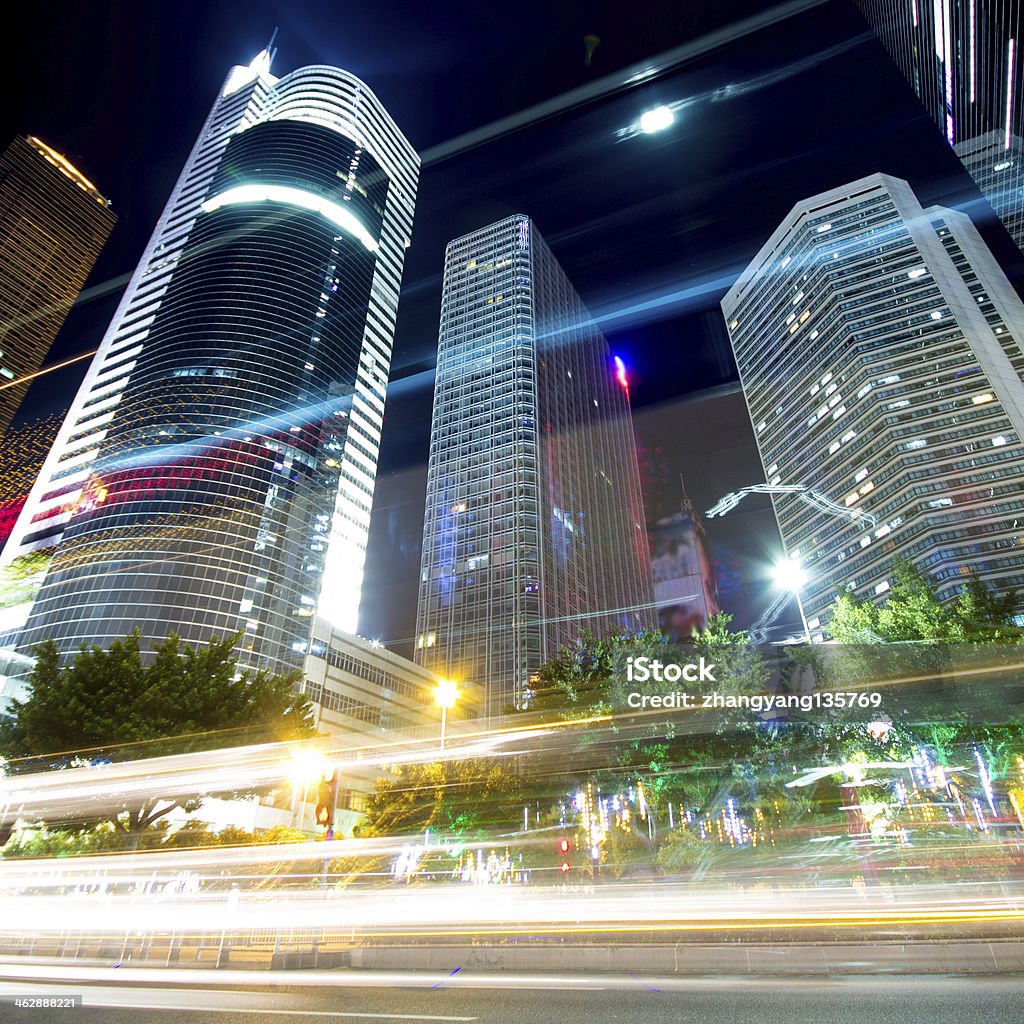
(913, 611)
(19, 579)
(111, 705)
(581, 680)
(459, 798)
(106, 837)
(684, 850)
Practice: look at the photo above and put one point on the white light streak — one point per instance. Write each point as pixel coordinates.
(1009, 91)
(974, 52)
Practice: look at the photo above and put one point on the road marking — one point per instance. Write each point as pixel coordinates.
(288, 1013)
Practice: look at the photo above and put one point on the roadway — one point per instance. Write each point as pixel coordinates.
(396, 997)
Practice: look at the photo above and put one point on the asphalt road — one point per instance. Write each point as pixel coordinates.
(540, 999)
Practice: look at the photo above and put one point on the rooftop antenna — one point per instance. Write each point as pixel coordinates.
(271, 50)
(686, 504)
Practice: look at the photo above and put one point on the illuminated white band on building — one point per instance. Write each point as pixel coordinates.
(336, 214)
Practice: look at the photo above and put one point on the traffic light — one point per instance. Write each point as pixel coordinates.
(564, 847)
(326, 797)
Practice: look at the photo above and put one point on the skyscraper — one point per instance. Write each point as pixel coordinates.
(963, 59)
(879, 348)
(53, 224)
(216, 470)
(534, 525)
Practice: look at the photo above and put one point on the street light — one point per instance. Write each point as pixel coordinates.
(788, 574)
(446, 694)
(307, 766)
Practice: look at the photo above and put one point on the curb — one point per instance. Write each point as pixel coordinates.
(980, 957)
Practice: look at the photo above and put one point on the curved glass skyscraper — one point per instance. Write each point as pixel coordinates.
(216, 471)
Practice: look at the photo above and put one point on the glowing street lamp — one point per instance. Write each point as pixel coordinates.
(445, 695)
(656, 120)
(307, 766)
(788, 574)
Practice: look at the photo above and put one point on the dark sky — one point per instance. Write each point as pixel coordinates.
(651, 229)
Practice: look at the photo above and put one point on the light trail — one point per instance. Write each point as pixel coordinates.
(89, 791)
(443, 910)
(48, 369)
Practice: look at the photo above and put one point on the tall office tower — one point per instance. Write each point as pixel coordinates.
(216, 470)
(53, 224)
(963, 58)
(22, 453)
(534, 520)
(879, 348)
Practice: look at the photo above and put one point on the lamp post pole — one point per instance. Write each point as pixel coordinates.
(445, 695)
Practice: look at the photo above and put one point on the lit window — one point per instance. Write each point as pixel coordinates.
(916, 272)
(983, 399)
(998, 442)
(882, 587)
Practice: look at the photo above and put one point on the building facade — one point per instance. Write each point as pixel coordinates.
(685, 591)
(963, 59)
(534, 524)
(53, 224)
(382, 708)
(879, 348)
(215, 472)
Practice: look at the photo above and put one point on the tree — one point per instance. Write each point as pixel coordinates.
(912, 611)
(461, 798)
(108, 705)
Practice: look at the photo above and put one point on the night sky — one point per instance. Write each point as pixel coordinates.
(652, 230)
